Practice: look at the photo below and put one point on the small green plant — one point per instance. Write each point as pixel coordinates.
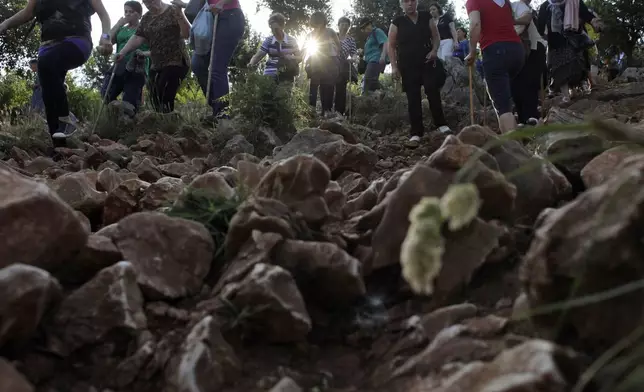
(261, 102)
(424, 245)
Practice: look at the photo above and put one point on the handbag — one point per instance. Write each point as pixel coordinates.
(579, 41)
(201, 31)
(193, 8)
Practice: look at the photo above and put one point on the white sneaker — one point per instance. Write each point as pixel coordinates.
(444, 129)
(414, 139)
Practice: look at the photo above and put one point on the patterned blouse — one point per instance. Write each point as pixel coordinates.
(349, 47)
(163, 35)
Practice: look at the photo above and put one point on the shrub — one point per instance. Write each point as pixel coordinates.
(260, 102)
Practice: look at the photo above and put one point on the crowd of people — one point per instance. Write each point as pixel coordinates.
(520, 49)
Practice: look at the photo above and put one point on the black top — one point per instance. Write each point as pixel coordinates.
(557, 40)
(64, 18)
(444, 30)
(414, 40)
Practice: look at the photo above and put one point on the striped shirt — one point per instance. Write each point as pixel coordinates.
(349, 47)
(274, 48)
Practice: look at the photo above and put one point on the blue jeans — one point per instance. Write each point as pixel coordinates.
(230, 30)
(502, 62)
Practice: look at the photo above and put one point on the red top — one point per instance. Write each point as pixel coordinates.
(497, 23)
(233, 4)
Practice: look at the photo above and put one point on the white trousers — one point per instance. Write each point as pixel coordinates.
(446, 49)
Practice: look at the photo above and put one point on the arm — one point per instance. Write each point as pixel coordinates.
(104, 17)
(542, 19)
(452, 29)
(134, 42)
(116, 28)
(525, 17)
(475, 30)
(391, 43)
(19, 18)
(257, 57)
(585, 16)
(184, 25)
(436, 38)
(383, 39)
(336, 41)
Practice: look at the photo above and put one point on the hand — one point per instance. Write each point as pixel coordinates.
(217, 8)
(119, 57)
(179, 3)
(431, 56)
(395, 73)
(105, 49)
(455, 45)
(122, 22)
(470, 58)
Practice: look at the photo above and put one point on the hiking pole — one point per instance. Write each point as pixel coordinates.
(104, 98)
(471, 97)
(484, 103)
(349, 91)
(212, 57)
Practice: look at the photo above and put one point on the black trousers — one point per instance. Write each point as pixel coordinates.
(526, 87)
(413, 78)
(164, 85)
(53, 65)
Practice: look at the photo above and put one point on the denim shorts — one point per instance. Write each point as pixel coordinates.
(502, 62)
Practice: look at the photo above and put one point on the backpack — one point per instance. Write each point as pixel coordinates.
(201, 31)
(63, 18)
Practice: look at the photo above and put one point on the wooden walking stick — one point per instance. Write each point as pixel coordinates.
(212, 56)
(484, 103)
(471, 97)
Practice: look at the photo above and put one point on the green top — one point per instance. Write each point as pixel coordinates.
(124, 34)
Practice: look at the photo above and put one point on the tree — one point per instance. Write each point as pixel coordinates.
(297, 12)
(18, 45)
(624, 24)
(95, 69)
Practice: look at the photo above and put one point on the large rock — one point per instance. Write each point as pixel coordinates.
(275, 306)
(108, 306)
(163, 193)
(77, 191)
(205, 363)
(124, 200)
(26, 293)
(299, 182)
(592, 244)
(99, 253)
(12, 380)
(539, 183)
(536, 365)
(605, 165)
(331, 149)
(172, 256)
(37, 228)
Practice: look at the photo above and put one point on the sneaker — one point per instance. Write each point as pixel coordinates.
(445, 130)
(413, 142)
(532, 122)
(66, 128)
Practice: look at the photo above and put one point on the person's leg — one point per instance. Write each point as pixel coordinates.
(133, 88)
(326, 96)
(169, 82)
(518, 88)
(371, 78)
(341, 96)
(118, 83)
(533, 89)
(313, 93)
(445, 49)
(155, 88)
(433, 93)
(411, 82)
(500, 68)
(53, 64)
(199, 65)
(230, 30)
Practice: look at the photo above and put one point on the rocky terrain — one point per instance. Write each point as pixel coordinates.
(271, 261)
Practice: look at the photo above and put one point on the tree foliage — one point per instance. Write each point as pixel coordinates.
(382, 12)
(18, 45)
(297, 12)
(245, 50)
(624, 24)
(95, 69)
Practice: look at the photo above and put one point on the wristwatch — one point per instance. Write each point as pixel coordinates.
(105, 36)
